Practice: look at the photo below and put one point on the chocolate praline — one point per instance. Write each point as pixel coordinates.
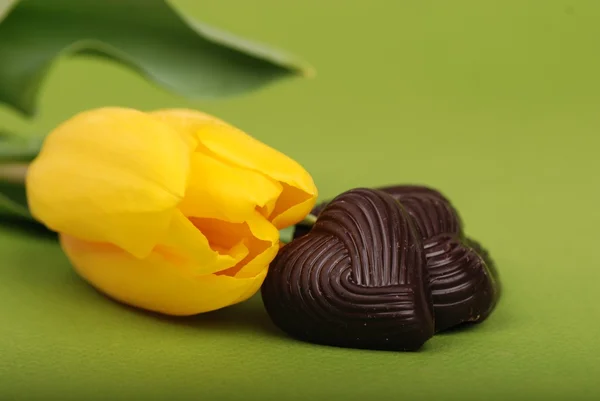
(463, 278)
(358, 279)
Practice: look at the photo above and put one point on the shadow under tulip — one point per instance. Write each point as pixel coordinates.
(245, 317)
(35, 264)
(248, 316)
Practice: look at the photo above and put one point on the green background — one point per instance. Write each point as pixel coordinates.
(493, 102)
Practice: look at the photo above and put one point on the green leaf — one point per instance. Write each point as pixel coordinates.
(5, 6)
(18, 149)
(149, 36)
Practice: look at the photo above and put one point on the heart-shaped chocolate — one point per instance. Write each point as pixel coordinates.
(357, 279)
(463, 279)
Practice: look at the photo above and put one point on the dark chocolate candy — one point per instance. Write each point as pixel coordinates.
(463, 278)
(358, 279)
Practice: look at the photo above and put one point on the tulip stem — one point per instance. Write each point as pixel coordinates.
(286, 235)
(308, 221)
(13, 173)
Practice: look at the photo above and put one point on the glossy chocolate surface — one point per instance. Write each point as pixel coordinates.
(358, 279)
(432, 212)
(467, 266)
(463, 285)
(334, 283)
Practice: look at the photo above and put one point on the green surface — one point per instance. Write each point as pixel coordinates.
(495, 103)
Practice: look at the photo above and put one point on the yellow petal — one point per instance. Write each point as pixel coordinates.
(188, 246)
(222, 191)
(152, 283)
(292, 206)
(260, 237)
(181, 122)
(235, 147)
(110, 175)
(210, 176)
(265, 248)
(240, 149)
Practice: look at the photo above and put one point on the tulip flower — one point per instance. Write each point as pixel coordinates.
(172, 211)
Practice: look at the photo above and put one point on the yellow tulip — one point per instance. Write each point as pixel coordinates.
(173, 211)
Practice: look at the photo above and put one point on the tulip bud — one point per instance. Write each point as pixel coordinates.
(172, 211)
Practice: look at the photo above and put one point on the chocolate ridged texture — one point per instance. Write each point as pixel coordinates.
(432, 212)
(462, 287)
(463, 278)
(358, 279)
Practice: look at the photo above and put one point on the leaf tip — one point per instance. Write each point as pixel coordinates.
(308, 72)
